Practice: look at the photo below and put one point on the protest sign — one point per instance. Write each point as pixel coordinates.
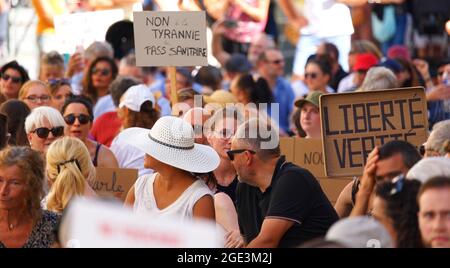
(354, 123)
(91, 223)
(82, 29)
(170, 38)
(114, 182)
(308, 154)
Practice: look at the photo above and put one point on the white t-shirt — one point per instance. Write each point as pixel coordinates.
(128, 156)
(327, 18)
(181, 208)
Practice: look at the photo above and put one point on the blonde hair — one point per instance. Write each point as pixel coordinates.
(24, 89)
(69, 167)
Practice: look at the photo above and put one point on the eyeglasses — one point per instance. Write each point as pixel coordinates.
(103, 72)
(224, 133)
(231, 153)
(82, 118)
(43, 132)
(312, 75)
(34, 98)
(279, 61)
(14, 79)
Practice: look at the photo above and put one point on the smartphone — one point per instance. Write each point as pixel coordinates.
(230, 23)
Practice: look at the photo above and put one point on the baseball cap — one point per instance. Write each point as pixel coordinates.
(360, 232)
(364, 61)
(312, 98)
(392, 65)
(135, 96)
(238, 63)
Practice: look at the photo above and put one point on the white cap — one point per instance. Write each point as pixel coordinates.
(428, 168)
(135, 96)
(359, 232)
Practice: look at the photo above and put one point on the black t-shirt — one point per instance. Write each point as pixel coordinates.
(293, 194)
(230, 190)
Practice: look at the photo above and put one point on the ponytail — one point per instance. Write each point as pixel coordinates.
(68, 183)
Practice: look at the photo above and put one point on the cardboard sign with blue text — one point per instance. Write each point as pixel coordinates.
(354, 123)
(114, 182)
(170, 38)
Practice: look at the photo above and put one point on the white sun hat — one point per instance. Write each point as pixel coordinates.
(171, 141)
(135, 96)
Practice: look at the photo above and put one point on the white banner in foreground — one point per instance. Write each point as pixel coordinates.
(99, 224)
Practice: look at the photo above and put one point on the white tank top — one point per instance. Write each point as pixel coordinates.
(182, 207)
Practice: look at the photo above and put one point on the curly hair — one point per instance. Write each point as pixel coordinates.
(402, 208)
(31, 166)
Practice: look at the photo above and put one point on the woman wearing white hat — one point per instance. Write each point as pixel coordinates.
(175, 188)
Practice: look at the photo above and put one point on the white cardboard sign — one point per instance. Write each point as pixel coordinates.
(170, 38)
(98, 224)
(84, 28)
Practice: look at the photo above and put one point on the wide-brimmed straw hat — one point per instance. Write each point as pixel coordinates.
(171, 141)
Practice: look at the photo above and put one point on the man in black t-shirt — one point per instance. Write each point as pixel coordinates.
(279, 204)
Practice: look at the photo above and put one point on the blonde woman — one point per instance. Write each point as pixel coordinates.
(35, 93)
(69, 169)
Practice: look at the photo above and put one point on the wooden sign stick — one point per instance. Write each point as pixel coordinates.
(173, 84)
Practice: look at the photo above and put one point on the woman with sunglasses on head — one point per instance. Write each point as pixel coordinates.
(60, 90)
(69, 169)
(13, 76)
(43, 126)
(78, 115)
(100, 74)
(395, 206)
(35, 93)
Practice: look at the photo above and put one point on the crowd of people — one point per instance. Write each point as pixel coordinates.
(214, 152)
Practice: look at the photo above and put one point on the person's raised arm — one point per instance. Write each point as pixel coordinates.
(295, 19)
(216, 8)
(258, 13)
(218, 29)
(367, 185)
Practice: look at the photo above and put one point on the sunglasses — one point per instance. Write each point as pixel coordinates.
(231, 153)
(35, 99)
(312, 75)
(82, 118)
(14, 79)
(277, 61)
(43, 132)
(397, 184)
(103, 72)
(59, 82)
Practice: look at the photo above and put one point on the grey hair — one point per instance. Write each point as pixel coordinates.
(260, 136)
(99, 49)
(379, 78)
(129, 60)
(439, 134)
(38, 116)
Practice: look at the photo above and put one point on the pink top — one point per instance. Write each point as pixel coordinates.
(246, 28)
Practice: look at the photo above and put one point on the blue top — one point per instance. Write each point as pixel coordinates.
(285, 97)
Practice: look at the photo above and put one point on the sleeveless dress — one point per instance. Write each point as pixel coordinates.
(181, 208)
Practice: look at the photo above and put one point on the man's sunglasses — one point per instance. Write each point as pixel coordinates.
(231, 153)
(103, 72)
(15, 80)
(43, 132)
(82, 118)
